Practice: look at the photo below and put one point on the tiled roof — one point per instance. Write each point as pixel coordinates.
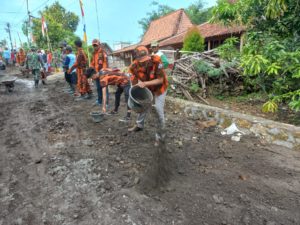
(167, 26)
(207, 30)
(126, 49)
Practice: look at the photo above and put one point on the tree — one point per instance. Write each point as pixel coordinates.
(197, 13)
(193, 41)
(160, 11)
(271, 55)
(3, 43)
(61, 25)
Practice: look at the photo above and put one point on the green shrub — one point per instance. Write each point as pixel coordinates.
(193, 41)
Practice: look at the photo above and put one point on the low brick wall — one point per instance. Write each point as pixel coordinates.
(271, 131)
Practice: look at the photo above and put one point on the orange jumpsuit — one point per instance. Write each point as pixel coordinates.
(80, 65)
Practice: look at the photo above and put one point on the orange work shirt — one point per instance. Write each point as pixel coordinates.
(114, 80)
(154, 69)
(99, 60)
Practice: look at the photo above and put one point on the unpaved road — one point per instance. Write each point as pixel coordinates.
(57, 167)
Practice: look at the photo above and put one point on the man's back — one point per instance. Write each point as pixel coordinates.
(33, 60)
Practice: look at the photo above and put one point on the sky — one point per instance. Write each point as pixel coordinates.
(118, 19)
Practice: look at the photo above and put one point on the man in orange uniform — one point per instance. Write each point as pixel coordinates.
(99, 62)
(81, 65)
(122, 81)
(147, 71)
(21, 56)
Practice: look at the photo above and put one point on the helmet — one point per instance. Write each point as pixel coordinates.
(141, 53)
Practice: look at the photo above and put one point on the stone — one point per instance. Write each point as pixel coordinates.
(218, 199)
(88, 142)
(225, 121)
(259, 130)
(274, 131)
(297, 134)
(284, 144)
(59, 145)
(136, 180)
(281, 136)
(180, 144)
(243, 123)
(246, 220)
(273, 208)
(236, 138)
(206, 124)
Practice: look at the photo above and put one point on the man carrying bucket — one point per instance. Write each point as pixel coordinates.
(147, 72)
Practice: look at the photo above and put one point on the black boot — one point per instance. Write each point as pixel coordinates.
(44, 83)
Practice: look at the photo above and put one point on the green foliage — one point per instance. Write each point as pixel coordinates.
(61, 25)
(229, 50)
(197, 13)
(271, 55)
(194, 87)
(203, 67)
(270, 106)
(159, 11)
(193, 41)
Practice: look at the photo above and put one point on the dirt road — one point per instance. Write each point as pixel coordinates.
(58, 167)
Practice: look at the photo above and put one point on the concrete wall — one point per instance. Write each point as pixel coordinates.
(271, 131)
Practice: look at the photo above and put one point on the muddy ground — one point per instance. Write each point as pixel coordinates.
(58, 167)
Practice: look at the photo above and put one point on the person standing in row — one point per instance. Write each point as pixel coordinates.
(81, 66)
(99, 62)
(69, 62)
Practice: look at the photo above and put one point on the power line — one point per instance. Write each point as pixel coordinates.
(41, 5)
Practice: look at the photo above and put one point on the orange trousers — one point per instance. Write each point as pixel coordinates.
(83, 85)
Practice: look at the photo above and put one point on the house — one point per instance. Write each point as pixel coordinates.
(213, 34)
(170, 31)
(160, 29)
(109, 52)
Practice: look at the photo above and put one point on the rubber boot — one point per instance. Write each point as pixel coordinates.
(36, 83)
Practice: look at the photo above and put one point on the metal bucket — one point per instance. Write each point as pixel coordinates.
(140, 99)
(97, 116)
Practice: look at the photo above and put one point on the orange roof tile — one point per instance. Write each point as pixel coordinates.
(167, 26)
(207, 30)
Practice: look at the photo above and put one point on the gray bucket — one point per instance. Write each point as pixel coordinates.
(97, 116)
(140, 99)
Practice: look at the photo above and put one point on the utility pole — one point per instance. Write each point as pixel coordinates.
(28, 25)
(8, 31)
(98, 26)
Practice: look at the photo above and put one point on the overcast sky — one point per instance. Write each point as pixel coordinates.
(118, 18)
